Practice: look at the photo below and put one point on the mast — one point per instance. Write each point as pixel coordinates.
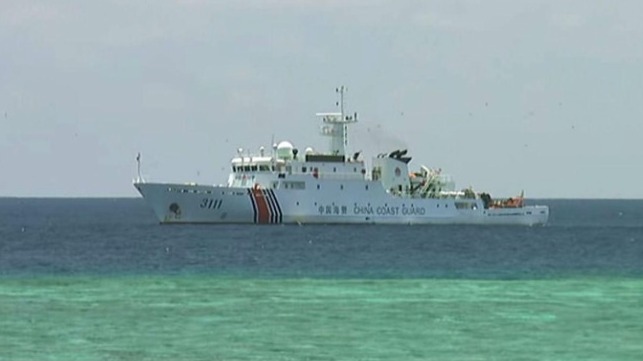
(336, 125)
(340, 90)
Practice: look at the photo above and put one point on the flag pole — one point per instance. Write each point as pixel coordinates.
(138, 164)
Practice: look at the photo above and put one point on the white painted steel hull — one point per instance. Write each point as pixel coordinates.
(358, 203)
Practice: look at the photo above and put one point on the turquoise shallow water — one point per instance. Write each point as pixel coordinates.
(221, 318)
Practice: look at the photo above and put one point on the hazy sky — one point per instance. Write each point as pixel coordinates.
(545, 96)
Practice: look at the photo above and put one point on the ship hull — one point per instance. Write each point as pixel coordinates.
(366, 203)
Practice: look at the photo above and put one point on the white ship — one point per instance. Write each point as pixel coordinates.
(286, 185)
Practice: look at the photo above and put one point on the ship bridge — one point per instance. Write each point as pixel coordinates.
(266, 172)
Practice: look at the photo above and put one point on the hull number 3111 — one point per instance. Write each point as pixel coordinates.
(209, 203)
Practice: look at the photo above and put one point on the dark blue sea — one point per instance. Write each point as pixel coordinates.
(100, 279)
(121, 236)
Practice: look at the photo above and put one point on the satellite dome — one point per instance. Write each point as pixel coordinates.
(309, 150)
(285, 144)
(284, 150)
